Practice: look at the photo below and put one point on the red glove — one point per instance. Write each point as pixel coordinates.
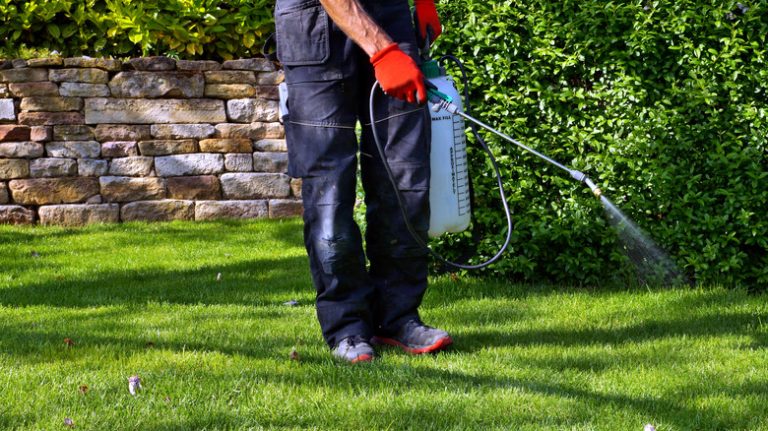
(398, 75)
(426, 16)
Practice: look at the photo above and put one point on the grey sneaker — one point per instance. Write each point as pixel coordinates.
(417, 338)
(354, 349)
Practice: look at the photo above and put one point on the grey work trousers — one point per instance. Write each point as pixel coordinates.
(329, 80)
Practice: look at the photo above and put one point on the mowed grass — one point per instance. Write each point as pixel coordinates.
(213, 351)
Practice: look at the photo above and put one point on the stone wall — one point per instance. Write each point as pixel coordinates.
(87, 140)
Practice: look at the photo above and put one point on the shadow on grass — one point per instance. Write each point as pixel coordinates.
(255, 282)
(699, 326)
(147, 268)
(669, 411)
(691, 314)
(233, 333)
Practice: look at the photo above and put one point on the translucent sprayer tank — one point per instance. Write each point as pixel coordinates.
(449, 184)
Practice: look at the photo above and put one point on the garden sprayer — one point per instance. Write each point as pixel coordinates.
(449, 196)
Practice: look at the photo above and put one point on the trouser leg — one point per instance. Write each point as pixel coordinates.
(398, 264)
(323, 152)
(334, 247)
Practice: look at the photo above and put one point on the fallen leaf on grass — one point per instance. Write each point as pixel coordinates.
(294, 355)
(134, 384)
(69, 342)
(83, 389)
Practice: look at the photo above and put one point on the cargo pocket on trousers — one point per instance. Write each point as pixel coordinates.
(302, 35)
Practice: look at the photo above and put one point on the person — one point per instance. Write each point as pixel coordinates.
(332, 52)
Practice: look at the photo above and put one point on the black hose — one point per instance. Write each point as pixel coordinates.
(399, 197)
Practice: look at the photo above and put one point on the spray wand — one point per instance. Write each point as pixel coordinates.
(443, 101)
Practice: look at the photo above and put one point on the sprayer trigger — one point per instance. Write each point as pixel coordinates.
(433, 93)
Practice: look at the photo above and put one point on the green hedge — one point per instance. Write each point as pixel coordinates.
(662, 103)
(193, 29)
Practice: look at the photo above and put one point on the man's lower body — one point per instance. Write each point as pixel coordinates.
(329, 80)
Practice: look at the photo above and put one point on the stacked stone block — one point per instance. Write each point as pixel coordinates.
(86, 140)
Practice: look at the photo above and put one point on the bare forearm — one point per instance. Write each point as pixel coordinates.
(355, 22)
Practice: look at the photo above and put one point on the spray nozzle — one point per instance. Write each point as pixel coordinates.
(595, 190)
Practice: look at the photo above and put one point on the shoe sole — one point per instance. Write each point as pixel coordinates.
(362, 358)
(436, 347)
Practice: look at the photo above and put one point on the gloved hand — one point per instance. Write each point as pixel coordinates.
(426, 17)
(398, 75)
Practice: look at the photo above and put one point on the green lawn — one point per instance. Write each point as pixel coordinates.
(214, 354)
